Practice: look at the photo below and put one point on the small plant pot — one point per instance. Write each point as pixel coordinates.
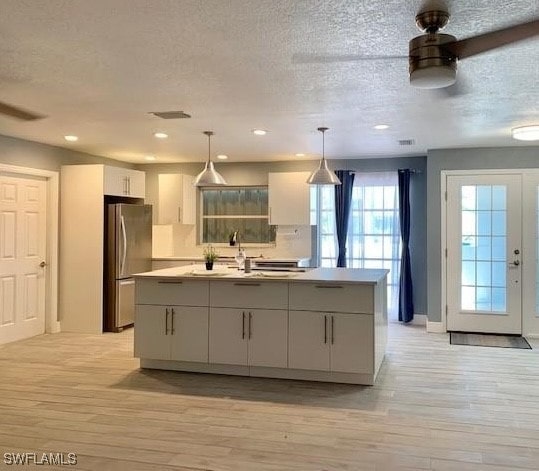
(209, 265)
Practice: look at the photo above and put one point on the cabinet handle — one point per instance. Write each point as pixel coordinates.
(126, 191)
(243, 325)
(250, 322)
(166, 321)
(325, 329)
(172, 321)
(169, 282)
(332, 329)
(179, 214)
(328, 286)
(269, 218)
(246, 284)
(128, 185)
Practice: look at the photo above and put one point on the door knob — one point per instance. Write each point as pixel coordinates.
(516, 263)
(43, 264)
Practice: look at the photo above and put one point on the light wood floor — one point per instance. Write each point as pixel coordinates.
(435, 406)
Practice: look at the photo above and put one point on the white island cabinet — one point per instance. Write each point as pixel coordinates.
(326, 324)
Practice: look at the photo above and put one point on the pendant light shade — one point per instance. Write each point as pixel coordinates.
(323, 175)
(209, 176)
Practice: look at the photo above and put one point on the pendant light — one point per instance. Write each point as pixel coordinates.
(209, 176)
(323, 175)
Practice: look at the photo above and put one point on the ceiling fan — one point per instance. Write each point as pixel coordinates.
(433, 56)
(19, 113)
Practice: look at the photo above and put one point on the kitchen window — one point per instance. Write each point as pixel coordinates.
(373, 239)
(242, 209)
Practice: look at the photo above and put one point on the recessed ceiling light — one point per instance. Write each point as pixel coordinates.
(259, 132)
(149, 157)
(160, 135)
(71, 138)
(222, 157)
(381, 127)
(526, 133)
(300, 155)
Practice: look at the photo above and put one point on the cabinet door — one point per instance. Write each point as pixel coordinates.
(189, 340)
(352, 348)
(268, 335)
(289, 198)
(115, 181)
(308, 340)
(228, 336)
(177, 199)
(189, 200)
(136, 185)
(151, 337)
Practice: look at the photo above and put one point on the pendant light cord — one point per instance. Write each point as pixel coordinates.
(209, 134)
(323, 131)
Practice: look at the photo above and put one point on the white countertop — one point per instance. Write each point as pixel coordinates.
(325, 275)
(225, 258)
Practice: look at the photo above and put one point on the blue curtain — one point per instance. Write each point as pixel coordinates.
(406, 291)
(343, 202)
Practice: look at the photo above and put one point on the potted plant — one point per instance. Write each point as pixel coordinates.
(210, 255)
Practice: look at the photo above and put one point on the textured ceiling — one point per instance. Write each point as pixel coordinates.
(96, 68)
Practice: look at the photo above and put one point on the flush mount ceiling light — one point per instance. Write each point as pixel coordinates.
(71, 138)
(323, 175)
(160, 135)
(149, 157)
(381, 127)
(300, 155)
(260, 132)
(222, 157)
(526, 133)
(209, 176)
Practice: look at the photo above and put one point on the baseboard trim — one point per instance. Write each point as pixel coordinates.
(435, 327)
(419, 319)
(531, 336)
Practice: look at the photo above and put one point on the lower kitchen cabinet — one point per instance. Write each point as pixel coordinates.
(337, 342)
(308, 346)
(254, 337)
(151, 333)
(171, 333)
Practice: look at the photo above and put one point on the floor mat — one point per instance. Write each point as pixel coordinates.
(488, 340)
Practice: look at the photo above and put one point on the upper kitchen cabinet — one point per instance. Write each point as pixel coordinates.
(177, 199)
(289, 199)
(123, 182)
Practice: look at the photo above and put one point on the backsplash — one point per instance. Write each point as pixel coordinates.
(180, 241)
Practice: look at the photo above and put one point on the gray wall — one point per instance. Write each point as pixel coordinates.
(257, 174)
(460, 159)
(31, 154)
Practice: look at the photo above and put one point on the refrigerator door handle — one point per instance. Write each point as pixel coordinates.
(124, 245)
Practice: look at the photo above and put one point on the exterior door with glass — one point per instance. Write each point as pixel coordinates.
(484, 244)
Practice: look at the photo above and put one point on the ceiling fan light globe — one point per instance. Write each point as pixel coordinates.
(438, 76)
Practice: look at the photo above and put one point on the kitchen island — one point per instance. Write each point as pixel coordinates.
(326, 324)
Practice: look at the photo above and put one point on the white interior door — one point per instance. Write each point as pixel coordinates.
(530, 269)
(22, 250)
(484, 259)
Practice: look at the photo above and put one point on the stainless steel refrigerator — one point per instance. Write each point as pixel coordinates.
(128, 235)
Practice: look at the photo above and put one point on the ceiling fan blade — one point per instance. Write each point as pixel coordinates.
(19, 113)
(328, 59)
(485, 42)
